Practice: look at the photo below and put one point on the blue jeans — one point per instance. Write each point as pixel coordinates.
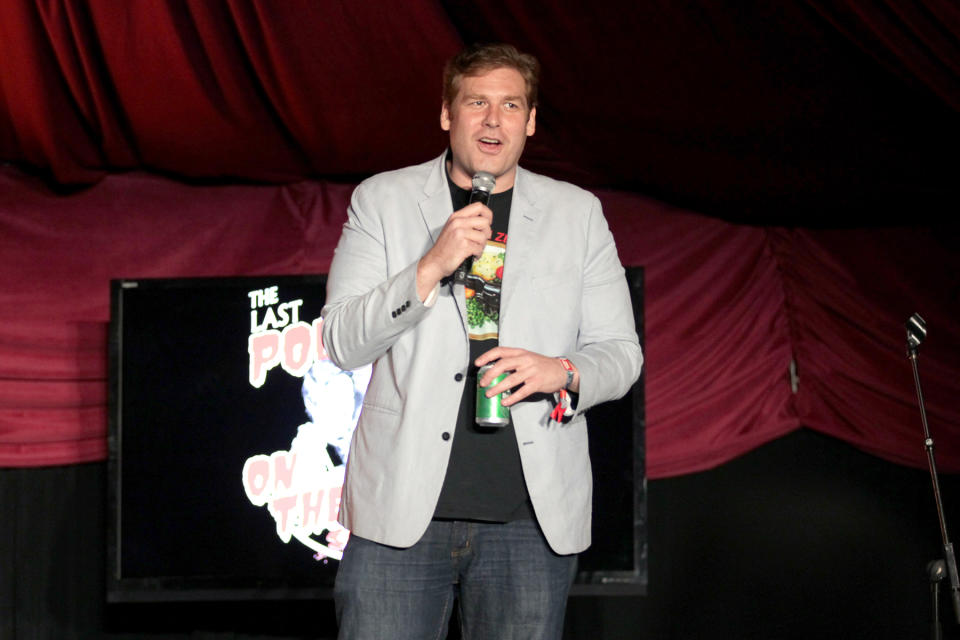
(508, 583)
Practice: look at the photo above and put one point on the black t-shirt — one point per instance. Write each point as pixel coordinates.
(484, 478)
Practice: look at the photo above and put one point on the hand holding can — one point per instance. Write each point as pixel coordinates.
(490, 412)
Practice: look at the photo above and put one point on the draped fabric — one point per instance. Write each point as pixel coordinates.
(795, 113)
(727, 309)
(806, 149)
(224, 88)
(849, 293)
(918, 39)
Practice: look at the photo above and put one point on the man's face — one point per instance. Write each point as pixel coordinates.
(489, 121)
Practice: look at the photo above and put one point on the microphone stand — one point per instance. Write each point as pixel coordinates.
(916, 333)
(936, 569)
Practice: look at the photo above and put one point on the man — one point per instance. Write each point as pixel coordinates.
(438, 506)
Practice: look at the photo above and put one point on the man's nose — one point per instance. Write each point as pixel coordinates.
(491, 117)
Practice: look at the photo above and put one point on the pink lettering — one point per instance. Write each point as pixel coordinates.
(318, 339)
(281, 508)
(334, 502)
(256, 476)
(311, 508)
(283, 463)
(296, 349)
(264, 350)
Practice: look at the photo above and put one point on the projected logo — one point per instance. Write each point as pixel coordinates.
(300, 487)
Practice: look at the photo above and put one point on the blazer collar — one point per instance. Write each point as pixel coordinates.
(437, 206)
(522, 237)
(525, 218)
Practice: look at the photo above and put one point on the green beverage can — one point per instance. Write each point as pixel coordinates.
(490, 411)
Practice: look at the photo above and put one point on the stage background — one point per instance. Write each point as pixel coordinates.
(786, 175)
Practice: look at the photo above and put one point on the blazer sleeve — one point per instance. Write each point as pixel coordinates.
(608, 355)
(370, 303)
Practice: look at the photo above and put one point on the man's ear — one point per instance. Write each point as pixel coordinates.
(532, 122)
(445, 117)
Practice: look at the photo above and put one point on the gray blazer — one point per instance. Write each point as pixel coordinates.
(563, 294)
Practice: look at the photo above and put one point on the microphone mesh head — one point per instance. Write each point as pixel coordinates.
(484, 181)
(916, 330)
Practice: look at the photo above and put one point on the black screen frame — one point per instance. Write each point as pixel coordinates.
(625, 575)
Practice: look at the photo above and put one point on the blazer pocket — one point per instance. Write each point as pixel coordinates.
(379, 408)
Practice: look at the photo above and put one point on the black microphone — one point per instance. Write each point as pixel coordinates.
(483, 183)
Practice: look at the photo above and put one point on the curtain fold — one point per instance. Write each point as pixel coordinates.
(728, 308)
(752, 331)
(852, 292)
(917, 39)
(717, 345)
(246, 90)
(768, 113)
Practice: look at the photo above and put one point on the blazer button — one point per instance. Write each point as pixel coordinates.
(446, 435)
(393, 313)
(458, 377)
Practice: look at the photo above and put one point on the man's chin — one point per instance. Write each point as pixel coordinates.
(495, 165)
(492, 165)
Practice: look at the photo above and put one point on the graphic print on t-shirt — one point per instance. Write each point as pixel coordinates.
(482, 290)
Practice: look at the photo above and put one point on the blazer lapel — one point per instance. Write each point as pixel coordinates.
(436, 206)
(522, 235)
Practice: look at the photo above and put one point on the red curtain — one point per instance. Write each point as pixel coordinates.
(849, 295)
(917, 39)
(769, 111)
(728, 307)
(261, 90)
(758, 114)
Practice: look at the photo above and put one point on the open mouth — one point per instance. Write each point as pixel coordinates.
(490, 144)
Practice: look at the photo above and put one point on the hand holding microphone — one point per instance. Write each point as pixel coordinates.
(463, 236)
(483, 184)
